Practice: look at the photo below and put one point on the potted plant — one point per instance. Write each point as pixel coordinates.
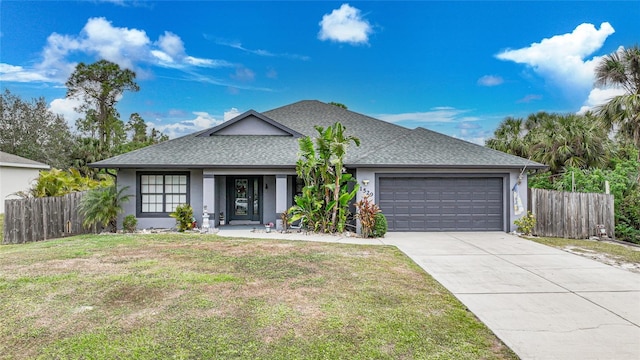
(267, 227)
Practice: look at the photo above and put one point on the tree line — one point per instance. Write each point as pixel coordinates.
(29, 129)
(585, 151)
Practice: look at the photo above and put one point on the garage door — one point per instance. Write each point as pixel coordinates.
(442, 203)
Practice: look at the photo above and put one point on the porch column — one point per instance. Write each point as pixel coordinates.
(281, 193)
(209, 196)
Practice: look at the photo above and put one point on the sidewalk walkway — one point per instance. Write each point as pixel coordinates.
(543, 303)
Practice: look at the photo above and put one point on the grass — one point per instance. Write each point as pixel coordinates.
(613, 251)
(189, 296)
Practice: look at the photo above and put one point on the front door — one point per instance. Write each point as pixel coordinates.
(245, 195)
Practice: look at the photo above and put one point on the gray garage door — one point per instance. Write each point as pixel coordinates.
(442, 203)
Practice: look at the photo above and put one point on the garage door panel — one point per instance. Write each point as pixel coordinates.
(442, 203)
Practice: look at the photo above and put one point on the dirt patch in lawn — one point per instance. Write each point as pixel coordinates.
(606, 258)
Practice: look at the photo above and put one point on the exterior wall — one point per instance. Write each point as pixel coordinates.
(269, 200)
(370, 174)
(251, 126)
(128, 177)
(14, 179)
(268, 191)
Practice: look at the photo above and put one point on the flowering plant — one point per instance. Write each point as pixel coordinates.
(269, 224)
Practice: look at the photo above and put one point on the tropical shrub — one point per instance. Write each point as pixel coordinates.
(526, 224)
(57, 182)
(323, 205)
(130, 223)
(366, 212)
(380, 227)
(184, 217)
(101, 206)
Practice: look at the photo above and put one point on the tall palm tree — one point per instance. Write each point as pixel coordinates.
(568, 140)
(509, 137)
(621, 69)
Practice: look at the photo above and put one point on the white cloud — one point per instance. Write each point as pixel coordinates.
(129, 48)
(561, 58)
(260, 52)
(203, 120)
(598, 97)
(490, 80)
(233, 112)
(19, 74)
(171, 44)
(66, 107)
(345, 25)
(243, 74)
(436, 115)
(529, 98)
(119, 45)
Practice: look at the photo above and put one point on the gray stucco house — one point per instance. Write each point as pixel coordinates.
(245, 169)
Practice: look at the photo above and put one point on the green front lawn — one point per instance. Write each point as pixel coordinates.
(206, 297)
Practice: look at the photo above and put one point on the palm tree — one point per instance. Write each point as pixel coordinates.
(102, 206)
(338, 148)
(621, 69)
(509, 137)
(567, 140)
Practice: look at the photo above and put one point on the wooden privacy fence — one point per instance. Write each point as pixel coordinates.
(36, 219)
(571, 215)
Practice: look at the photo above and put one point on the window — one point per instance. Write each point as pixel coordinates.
(162, 193)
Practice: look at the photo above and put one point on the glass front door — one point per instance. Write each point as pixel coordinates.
(245, 194)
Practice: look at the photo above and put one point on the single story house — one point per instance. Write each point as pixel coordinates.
(244, 171)
(17, 174)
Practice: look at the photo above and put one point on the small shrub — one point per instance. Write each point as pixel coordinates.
(130, 223)
(184, 217)
(285, 220)
(366, 212)
(380, 227)
(526, 223)
(101, 206)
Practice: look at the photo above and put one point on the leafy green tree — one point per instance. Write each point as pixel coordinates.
(139, 136)
(621, 174)
(621, 69)
(101, 206)
(340, 105)
(554, 140)
(100, 85)
(324, 203)
(85, 151)
(509, 137)
(57, 182)
(569, 140)
(30, 130)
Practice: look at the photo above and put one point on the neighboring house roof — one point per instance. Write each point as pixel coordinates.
(10, 160)
(382, 144)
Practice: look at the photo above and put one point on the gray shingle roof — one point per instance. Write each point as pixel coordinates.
(7, 159)
(382, 144)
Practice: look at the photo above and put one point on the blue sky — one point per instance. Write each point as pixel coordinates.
(456, 67)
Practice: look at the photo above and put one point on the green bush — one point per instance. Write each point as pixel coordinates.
(366, 212)
(380, 225)
(526, 223)
(184, 217)
(628, 218)
(101, 206)
(130, 223)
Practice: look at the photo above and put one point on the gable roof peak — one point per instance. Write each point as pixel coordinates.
(223, 128)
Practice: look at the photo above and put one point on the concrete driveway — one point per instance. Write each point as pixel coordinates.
(542, 302)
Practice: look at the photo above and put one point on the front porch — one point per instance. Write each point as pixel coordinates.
(247, 198)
